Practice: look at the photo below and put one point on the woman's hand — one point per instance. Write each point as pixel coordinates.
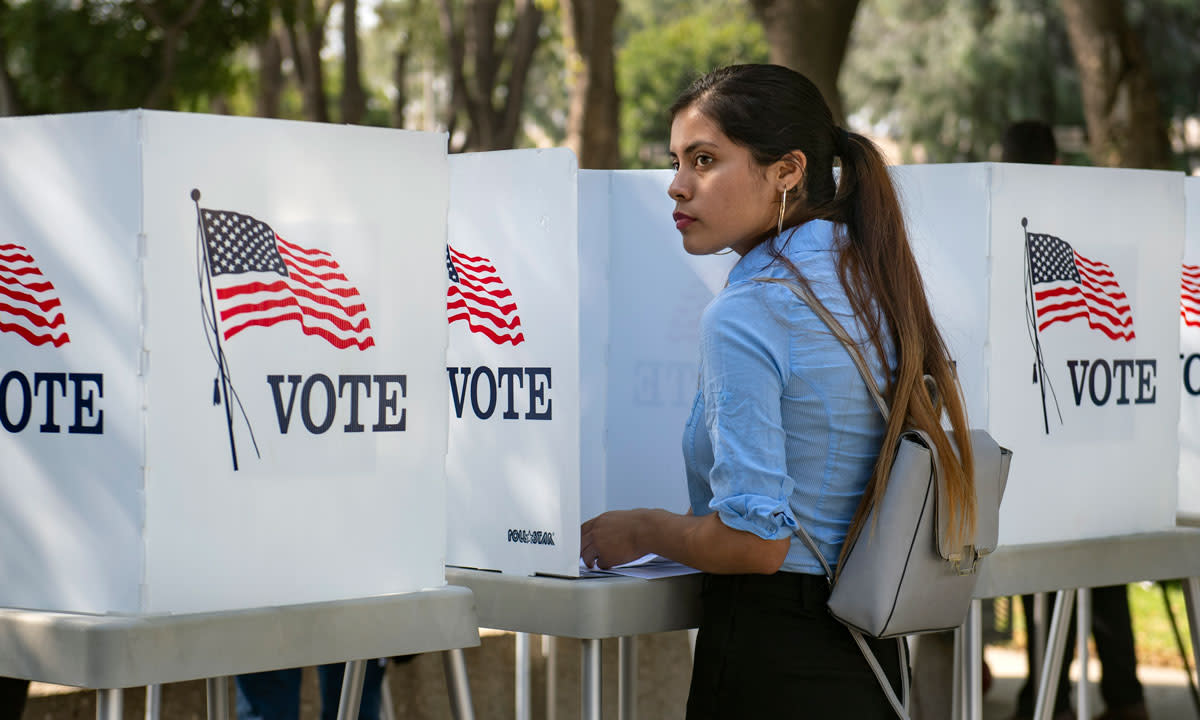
(612, 538)
(705, 543)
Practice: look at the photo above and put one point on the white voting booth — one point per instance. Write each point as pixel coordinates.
(1055, 288)
(1189, 351)
(221, 362)
(572, 353)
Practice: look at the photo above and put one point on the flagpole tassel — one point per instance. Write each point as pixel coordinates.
(216, 391)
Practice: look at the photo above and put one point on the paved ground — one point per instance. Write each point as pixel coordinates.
(418, 688)
(1167, 694)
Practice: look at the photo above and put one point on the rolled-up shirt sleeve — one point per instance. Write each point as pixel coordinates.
(744, 350)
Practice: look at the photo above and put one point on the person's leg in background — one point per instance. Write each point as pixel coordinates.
(1028, 693)
(12, 697)
(330, 677)
(271, 695)
(1112, 629)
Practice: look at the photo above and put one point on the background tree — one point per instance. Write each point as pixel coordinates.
(1120, 98)
(663, 47)
(810, 37)
(303, 37)
(354, 98)
(490, 47)
(96, 55)
(592, 127)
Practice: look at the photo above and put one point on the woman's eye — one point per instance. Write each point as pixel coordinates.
(675, 165)
(703, 160)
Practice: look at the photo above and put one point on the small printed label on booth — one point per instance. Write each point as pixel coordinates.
(531, 537)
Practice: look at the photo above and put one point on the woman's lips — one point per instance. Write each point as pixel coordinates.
(682, 220)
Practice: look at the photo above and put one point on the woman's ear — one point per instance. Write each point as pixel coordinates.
(788, 171)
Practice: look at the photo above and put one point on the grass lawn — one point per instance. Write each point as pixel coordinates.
(1153, 637)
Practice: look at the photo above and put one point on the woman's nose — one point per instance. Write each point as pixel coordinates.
(678, 189)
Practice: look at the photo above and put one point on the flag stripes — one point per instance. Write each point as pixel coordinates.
(1189, 296)
(478, 297)
(260, 280)
(1069, 286)
(29, 305)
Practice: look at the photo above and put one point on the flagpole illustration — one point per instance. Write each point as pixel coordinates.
(224, 378)
(1031, 318)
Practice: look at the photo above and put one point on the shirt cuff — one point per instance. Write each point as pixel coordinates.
(766, 517)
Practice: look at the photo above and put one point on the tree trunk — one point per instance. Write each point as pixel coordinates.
(592, 124)
(270, 75)
(160, 94)
(809, 36)
(305, 28)
(1120, 101)
(400, 80)
(491, 126)
(354, 99)
(8, 91)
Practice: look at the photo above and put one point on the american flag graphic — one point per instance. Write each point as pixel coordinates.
(29, 304)
(478, 297)
(1068, 286)
(1189, 296)
(259, 279)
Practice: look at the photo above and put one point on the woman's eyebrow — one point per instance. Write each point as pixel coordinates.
(694, 146)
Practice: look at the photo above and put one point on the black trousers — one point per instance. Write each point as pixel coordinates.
(12, 697)
(768, 648)
(1113, 633)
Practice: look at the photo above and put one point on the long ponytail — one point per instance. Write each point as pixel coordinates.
(878, 270)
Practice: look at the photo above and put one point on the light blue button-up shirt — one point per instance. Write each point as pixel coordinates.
(783, 430)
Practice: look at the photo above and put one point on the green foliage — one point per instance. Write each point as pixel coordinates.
(666, 46)
(946, 78)
(949, 77)
(68, 56)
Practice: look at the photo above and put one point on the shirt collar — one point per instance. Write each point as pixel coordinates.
(812, 236)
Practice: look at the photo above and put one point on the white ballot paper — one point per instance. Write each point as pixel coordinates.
(647, 567)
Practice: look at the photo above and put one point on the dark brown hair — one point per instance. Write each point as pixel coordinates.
(773, 111)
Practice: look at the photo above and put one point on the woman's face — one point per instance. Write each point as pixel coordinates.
(723, 198)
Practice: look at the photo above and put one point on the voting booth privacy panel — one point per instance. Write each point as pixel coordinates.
(571, 364)
(222, 347)
(1056, 290)
(1189, 353)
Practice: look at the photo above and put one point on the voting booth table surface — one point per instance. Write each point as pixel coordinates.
(222, 350)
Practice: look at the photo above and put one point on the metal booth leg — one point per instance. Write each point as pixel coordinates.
(1083, 628)
(550, 653)
(454, 663)
(521, 665)
(109, 704)
(1191, 598)
(218, 698)
(1055, 646)
(973, 661)
(590, 680)
(627, 678)
(1036, 629)
(153, 702)
(352, 682)
(958, 682)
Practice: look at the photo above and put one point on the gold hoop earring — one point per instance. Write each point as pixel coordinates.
(782, 210)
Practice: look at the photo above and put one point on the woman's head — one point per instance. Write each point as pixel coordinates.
(776, 114)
